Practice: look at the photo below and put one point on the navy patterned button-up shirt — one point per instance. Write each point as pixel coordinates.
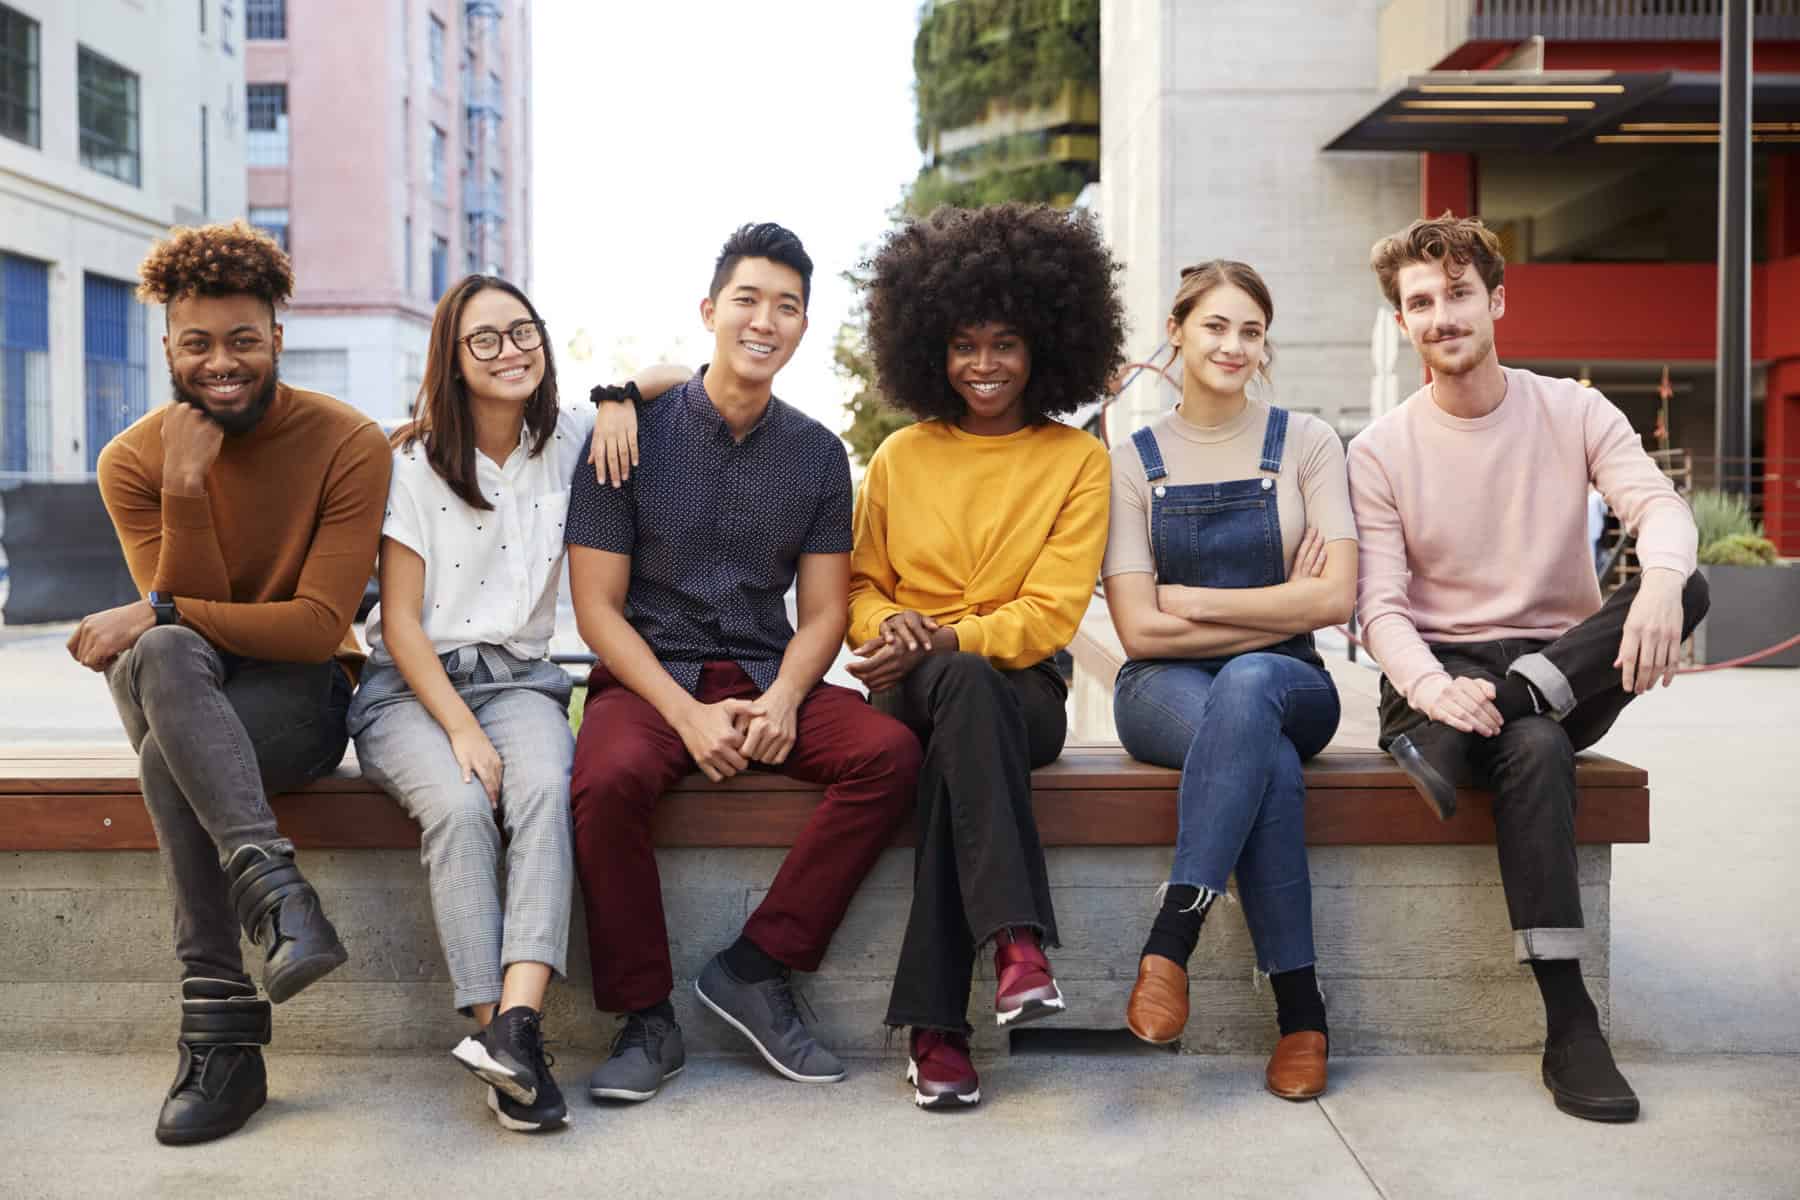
(715, 528)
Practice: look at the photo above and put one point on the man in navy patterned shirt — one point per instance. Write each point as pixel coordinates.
(678, 580)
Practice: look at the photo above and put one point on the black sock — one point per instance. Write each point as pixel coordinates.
(1518, 697)
(1567, 1008)
(662, 1008)
(1298, 1004)
(746, 960)
(1176, 930)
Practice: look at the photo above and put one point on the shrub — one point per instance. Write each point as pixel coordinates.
(1720, 515)
(1738, 550)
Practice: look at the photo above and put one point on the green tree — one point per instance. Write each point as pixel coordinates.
(967, 55)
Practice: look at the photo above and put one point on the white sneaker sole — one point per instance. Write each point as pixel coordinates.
(473, 1055)
(1032, 1010)
(518, 1126)
(939, 1101)
(626, 1094)
(760, 1049)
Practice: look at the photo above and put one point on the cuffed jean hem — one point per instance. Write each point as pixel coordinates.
(465, 999)
(1551, 683)
(1547, 943)
(1208, 893)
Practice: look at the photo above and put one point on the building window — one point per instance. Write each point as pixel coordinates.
(24, 364)
(19, 77)
(434, 52)
(109, 117)
(326, 371)
(406, 242)
(267, 105)
(274, 222)
(226, 21)
(440, 167)
(117, 393)
(440, 266)
(205, 166)
(265, 20)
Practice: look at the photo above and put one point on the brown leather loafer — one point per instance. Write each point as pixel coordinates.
(1297, 1068)
(1158, 1009)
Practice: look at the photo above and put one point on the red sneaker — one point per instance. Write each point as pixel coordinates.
(1026, 990)
(940, 1071)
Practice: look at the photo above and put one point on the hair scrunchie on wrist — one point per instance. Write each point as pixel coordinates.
(616, 393)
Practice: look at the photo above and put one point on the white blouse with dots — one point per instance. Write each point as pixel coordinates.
(490, 577)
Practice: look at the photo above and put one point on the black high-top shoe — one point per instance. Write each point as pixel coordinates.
(280, 912)
(219, 1080)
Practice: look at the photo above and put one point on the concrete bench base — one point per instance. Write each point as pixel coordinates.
(1416, 954)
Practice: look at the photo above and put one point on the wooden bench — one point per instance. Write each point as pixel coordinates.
(87, 799)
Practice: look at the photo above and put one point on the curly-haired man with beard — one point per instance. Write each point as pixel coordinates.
(979, 535)
(249, 513)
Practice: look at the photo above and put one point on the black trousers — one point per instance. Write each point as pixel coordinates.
(1530, 765)
(978, 867)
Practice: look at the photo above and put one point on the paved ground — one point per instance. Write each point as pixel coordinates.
(1136, 1125)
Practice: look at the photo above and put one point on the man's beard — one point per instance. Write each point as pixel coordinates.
(237, 423)
(1461, 364)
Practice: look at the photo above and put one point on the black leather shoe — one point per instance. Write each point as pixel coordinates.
(280, 912)
(219, 1081)
(1585, 1081)
(1435, 782)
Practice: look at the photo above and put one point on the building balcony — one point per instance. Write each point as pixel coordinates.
(483, 101)
(1420, 35)
(484, 202)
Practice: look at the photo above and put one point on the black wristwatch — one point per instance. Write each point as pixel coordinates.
(616, 393)
(163, 605)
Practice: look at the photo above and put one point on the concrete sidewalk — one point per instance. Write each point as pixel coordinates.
(1139, 1125)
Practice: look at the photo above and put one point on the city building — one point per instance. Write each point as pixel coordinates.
(389, 149)
(1293, 134)
(118, 118)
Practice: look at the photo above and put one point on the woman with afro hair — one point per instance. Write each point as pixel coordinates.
(1232, 541)
(978, 538)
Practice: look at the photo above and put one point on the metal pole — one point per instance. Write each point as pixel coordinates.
(1732, 432)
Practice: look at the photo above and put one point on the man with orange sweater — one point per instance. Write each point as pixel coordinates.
(249, 513)
(1479, 600)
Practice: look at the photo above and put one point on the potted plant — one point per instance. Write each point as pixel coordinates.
(1755, 596)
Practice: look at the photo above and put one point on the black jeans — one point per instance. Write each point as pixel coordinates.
(215, 736)
(1530, 765)
(978, 867)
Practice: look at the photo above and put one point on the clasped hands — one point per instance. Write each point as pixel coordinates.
(906, 638)
(725, 737)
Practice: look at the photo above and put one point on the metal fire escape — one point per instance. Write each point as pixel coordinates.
(484, 202)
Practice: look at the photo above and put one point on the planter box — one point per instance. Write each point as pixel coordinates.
(1752, 608)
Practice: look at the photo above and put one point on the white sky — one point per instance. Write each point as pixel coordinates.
(660, 128)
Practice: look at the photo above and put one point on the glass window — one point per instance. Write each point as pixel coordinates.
(440, 167)
(227, 19)
(113, 336)
(265, 20)
(19, 77)
(109, 117)
(24, 364)
(272, 221)
(326, 371)
(440, 266)
(406, 241)
(434, 51)
(267, 105)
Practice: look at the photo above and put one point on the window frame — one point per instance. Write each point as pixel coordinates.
(28, 62)
(261, 146)
(86, 57)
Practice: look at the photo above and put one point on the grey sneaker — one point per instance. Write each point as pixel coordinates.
(646, 1053)
(769, 1015)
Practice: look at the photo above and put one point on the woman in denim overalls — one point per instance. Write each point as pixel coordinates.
(1232, 541)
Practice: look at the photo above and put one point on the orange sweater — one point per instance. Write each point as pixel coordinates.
(271, 560)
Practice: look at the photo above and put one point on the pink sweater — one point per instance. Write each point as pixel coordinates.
(1477, 530)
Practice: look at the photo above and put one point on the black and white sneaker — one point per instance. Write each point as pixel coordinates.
(501, 1054)
(548, 1112)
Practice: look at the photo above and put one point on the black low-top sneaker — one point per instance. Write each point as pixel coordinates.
(1585, 1081)
(501, 1053)
(547, 1112)
(647, 1052)
(768, 1014)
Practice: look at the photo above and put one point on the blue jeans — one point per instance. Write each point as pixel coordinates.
(1238, 728)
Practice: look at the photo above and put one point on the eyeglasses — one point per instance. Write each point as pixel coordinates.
(484, 344)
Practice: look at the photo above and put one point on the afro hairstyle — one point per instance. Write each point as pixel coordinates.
(1044, 271)
(216, 260)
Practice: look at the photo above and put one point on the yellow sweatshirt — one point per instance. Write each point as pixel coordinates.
(1000, 537)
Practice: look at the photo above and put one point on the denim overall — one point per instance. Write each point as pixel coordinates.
(1239, 725)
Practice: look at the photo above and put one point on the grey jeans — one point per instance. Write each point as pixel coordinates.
(215, 736)
(400, 746)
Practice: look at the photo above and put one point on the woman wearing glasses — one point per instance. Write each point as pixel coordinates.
(461, 716)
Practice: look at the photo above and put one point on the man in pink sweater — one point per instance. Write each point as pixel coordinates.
(1478, 598)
